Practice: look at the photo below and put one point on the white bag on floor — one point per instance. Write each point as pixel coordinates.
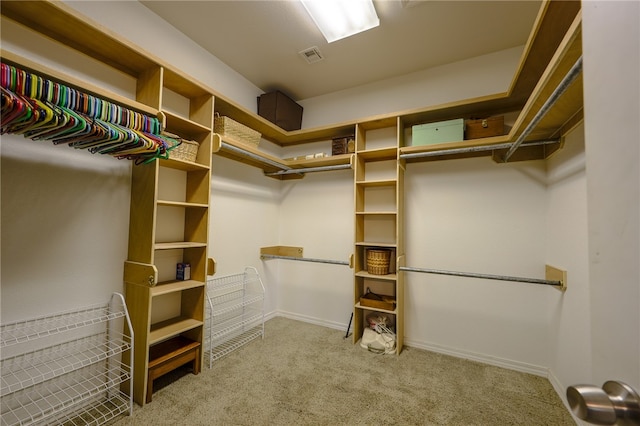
(382, 343)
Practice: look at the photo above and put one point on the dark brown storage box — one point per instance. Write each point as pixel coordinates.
(484, 127)
(345, 145)
(281, 110)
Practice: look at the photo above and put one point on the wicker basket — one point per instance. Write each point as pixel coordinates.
(378, 261)
(186, 151)
(225, 126)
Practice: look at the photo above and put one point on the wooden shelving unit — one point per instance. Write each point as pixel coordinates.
(379, 188)
(168, 315)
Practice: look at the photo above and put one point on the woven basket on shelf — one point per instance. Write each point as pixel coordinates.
(378, 261)
(186, 151)
(225, 126)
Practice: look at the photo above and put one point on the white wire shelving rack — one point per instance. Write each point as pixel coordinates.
(235, 312)
(68, 368)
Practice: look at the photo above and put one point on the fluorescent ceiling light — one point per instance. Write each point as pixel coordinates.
(338, 19)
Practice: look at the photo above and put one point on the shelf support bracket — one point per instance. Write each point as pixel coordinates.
(142, 274)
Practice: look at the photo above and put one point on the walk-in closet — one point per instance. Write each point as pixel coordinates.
(157, 221)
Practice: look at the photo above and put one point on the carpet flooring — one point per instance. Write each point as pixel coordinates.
(304, 374)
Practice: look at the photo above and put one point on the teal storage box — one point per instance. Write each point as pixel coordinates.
(440, 132)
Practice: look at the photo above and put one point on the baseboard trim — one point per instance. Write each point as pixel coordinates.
(311, 320)
(510, 364)
(561, 391)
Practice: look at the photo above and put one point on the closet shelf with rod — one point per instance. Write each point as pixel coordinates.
(276, 167)
(553, 108)
(295, 254)
(42, 109)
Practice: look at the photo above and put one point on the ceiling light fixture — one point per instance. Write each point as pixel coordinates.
(338, 19)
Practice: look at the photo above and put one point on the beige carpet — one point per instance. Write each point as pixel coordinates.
(303, 374)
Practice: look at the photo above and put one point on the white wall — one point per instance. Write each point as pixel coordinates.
(480, 76)
(243, 217)
(475, 215)
(65, 227)
(567, 248)
(611, 39)
(316, 213)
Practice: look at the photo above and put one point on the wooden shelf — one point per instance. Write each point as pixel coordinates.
(178, 245)
(471, 143)
(182, 204)
(377, 213)
(376, 244)
(166, 350)
(387, 277)
(380, 154)
(334, 160)
(184, 126)
(62, 23)
(186, 166)
(174, 286)
(172, 327)
(369, 308)
(376, 183)
(247, 154)
(567, 111)
(71, 81)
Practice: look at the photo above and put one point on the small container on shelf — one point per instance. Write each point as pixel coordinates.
(378, 261)
(440, 132)
(343, 145)
(484, 127)
(229, 128)
(377, 301)
(281, 110)
(186, 151)
(183, 272)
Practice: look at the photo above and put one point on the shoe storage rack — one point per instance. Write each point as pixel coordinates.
(66, 368)
(235, 312)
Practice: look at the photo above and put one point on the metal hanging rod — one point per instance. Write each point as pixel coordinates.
(573, 73)
(304, 259)
(253, 156)
(479, 148)
(309, 170)
(485, 276)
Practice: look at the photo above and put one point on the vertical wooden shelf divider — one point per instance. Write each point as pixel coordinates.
(167, 314)
(379, 221)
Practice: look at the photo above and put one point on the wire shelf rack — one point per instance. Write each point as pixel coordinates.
(35, 328)
(68, 368)
(235, 312)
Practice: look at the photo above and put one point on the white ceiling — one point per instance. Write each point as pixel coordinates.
(262, 39)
